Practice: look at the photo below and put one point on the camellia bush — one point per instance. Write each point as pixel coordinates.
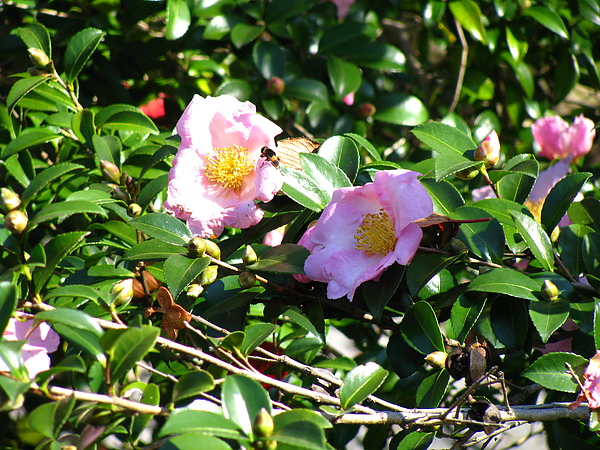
(293, 224)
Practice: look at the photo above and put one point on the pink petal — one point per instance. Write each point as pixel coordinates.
(548, 132)
(580, 136)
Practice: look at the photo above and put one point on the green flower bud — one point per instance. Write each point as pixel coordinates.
(247, 280)
(16, 221)
(10, 200)
(263, 425)
(457, 247)
(208, 275)
(134, 210)
(196, 247)
(194, 290)
(212, 249)
(550, 292)
(120, 194)
(122, 292)
(467, 174)
(110, 172)
(275, 86)
(38, 58)
(249, 256)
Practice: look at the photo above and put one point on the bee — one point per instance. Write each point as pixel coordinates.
(287, 152)
(270, 156)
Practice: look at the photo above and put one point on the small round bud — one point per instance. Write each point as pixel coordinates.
(196, 247)
(16, 221)
(38, 58)
(212, 249)
(550, 292)
(10, 200)
(263, 425)
(134, 210)
(467, 174)
(122, 292)
(110, 172)
(194, 290)
(249, 256)
(247, 280)
(120, 194)
(365, 110)
(457, 247)
(437, 359)
(489, 150)
(275, 86)
(208, 275)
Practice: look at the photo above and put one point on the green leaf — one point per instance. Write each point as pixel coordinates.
(370, 149)
(345, 77)
(571, 247)
(83, 339)
(79, 50)
(72, 318)
(255, 335)
(243, 398)
(194, 441)
(178, 19)
(469, 15)
(280, 10)
(63, 210)
(132, 120)
(19, 90)
(8, 303)
(361, 382)
(464, 314)
(300, 435)
(377, 294)
(536, 238)
(192, 384)
(76, 291)
(324, 174)
(308, 90)
(586, 212)
(444, 139)
(285, 258)
(510, 321)
(153, 249)
(547, 317)
(421, 330)
(423, 268)
(31, 137)
(164, 227)
(550, 372)
(152, 189)
(485, 239)
(181, 270)
(84, 127)
(591, 253)
(560, 198)
(415, 440)
(244, 33)
(126, 347)
(37, 36)
(56, 249)
(508, 282)
(202, 422)
(548, 19)
(446, 198)
(269, 59)
(302, 189)
(232, 341)
(341, 152)
(379, 56)
(305, 323)
(45, 177)
(432, 389)
(300, 415)
(400, 109)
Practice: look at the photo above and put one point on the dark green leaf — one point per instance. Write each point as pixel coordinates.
(45, 177)
(415, 440)
(152, 189)
(181, 270)
(485, 239)
(382, 56)
(63, 210)
(133, 121)
(341, 152)
(72, 318)
(324, 174)
(423, 268)
(444, 139)
(400, 109)
(203, 422)
(8, 303)
(193, 384)
(547, 317)
(154, 249)
(377, 294)
(464, 315)
(591, 253)
(345, 77)
(255, 335)
(361, 382)
(432, 389)
(469, 15)
(178, 19)
(300, 435)
(244, 33)
(560, 198)
(128, 347)
(445, 196)
(421, 330)
(36, 35)
(549, 19)
(243, 398)
(370, 149)
(195, 440)
(76, 291)
(586, 212)
(19, 90)
(164, 227)
(280, 10)
(571, 247)
(308, 90)
(269, 58)
(300, 415)
(56, 249)
(536, 238)
(31, 137)
(508, 282)
(79, 50)
(285, 258)
(550, 372)
(510, 321)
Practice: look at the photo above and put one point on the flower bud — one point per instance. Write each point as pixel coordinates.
(457, 247)
(549, 291)
(437, 359)
(10, 200)
(208, 275)
(489, 150)
(122, 292)
(196, 247)
(263, 425)
(129, 183)
(275, 86)
(120, 194)
(247, 280)
(249, 256)
(134, 210)
(365, 110)
(467, 174)
(16, 221)
(194, 290)
(38, 58)
(212, 249)
(110, 172)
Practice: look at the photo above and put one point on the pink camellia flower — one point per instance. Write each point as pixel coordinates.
(218, 172)
(155, 108)
(557, 139)
(343, 6)
(39, 340)
(591, 385)
(364, 230)
(489, 150)
(274, 237)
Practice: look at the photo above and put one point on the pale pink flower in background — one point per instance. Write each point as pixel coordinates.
(274, 237)
(39, 340)
(591, 385)
(218, 172)
(343, 6)
(557, 139)
(349, 99)
(364, 230)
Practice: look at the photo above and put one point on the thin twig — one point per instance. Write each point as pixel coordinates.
(463, 65)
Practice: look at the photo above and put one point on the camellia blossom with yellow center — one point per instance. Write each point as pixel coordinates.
(364, 230)
(218, 172)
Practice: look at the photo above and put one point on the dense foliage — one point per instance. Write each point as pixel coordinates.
(232, 351)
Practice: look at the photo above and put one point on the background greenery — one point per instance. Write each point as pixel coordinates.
(476, 66)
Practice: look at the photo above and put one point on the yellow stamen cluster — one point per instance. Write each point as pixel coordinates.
(536, 208)
(228, 166)
(376, 235)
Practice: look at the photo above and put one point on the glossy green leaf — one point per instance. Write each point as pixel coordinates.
(510, 321)
(153, 249)
(591, 253)
(79, 50)
(300, 415)
(233, 341)
(444, 139)
(164, 227)
(302, 189)
(255, 335)
(30, 138)
(8, 303)
(280, 10)
(586, 212)
(300, 435)
(45, 177)
(423, 268)
(285, 258)
(126, 347)
(508, 282)
(341, 38)
(381, 56)
(369, 148)
(341, 152)
(71, 318)
(421, 330)
(76, 291)
(305, 323)
(516, 187)
(194, 441)
(547, 317)
(243, 33)
(567, 75)
(400, 109)
(133, 121)
(537, 239)
(590, 9)
(560, 198)
(192, 384)
(446, 165)
(269, 59)
(243, 398)
(361, 382)
(308, 90)
(377, 294)
(469, 15)
(403, 358)
(548, 18)
(56, 249)
(19, 90)
(415, 440)
(181, 270)
(63, 210)
(202, 422)
(178, 19)
(517, 43)
(485, 239)
(37, 36)
(152, 189)
(446, 198)
(345, 77)
(464, 314)
(571, 247)
(550, 372)
(324, 174)
(432, 389)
